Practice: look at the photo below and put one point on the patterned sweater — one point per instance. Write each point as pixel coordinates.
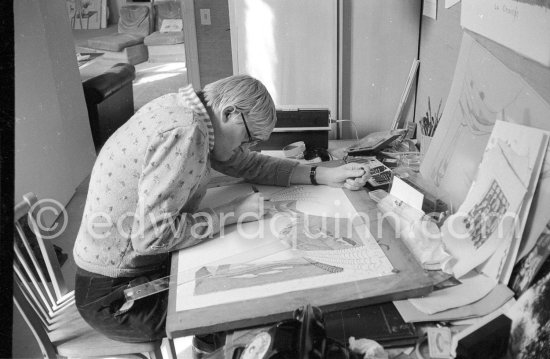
(148, 182)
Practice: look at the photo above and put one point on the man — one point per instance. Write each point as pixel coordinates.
(148, 182)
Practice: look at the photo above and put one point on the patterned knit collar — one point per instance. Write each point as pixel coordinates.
(192, 101)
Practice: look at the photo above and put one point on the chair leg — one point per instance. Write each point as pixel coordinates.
(165, 350)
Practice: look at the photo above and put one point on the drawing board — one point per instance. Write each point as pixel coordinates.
(335, 262)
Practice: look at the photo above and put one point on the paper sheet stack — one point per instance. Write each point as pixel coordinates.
(484, 235)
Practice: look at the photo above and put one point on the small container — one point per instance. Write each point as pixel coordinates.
(411, 161)
(425, 142)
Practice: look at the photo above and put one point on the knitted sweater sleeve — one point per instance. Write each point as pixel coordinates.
(258, 168)
(174, 163)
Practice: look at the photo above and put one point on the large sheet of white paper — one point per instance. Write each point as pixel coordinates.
(525, 152)
(539, 213)
(489, 303)
(487, 216)
(325, 249)
(522, 25)
(483, 90)
(473, 287)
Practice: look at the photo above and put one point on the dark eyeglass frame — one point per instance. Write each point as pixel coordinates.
(251, 141)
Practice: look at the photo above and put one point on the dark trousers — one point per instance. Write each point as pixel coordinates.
(98, 299)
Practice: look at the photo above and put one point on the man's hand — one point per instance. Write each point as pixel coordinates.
(246, 208)
(249, 207)
(352, 176)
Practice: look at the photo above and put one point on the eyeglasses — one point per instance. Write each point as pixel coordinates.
(251, 141)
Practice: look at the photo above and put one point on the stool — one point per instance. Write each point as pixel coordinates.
(110, 101)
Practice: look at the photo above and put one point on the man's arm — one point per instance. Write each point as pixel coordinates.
(257, 168)
(262, 169)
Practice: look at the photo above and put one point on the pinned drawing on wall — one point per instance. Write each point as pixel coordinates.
(429, 9)
(87, 14)
(451, 3)
(521, 25)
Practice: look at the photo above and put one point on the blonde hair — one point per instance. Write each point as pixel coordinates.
(249, 96)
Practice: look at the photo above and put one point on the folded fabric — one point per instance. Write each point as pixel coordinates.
(134, 19)
(158, 38)
(115, 42)
(368, 348)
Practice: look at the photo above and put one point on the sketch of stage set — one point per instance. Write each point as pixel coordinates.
(323, 251)
(483, 91)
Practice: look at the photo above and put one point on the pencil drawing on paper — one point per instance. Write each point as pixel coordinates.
(233, 276)
(311, 232)
(293, 193)
(475, 119)
(484, 217)
(318, 240)
(321, 246)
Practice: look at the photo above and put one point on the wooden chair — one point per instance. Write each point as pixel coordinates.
(48, 307)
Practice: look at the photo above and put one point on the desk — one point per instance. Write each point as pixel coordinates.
(410, 281)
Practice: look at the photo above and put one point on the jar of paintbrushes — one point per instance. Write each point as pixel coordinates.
(427, 126)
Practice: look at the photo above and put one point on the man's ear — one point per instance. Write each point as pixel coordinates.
(226, 112)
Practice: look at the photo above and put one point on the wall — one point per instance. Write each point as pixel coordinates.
(439, 46)
(53, 144)
(374, 67)
(213, 41)
(295, 59)
(380, 39)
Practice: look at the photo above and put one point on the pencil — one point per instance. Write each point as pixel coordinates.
(256, 190)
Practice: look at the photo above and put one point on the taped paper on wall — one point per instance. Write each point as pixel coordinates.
(521, 25)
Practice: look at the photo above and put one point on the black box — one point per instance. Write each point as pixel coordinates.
(311, 125)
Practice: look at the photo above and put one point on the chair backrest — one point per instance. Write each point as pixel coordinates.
(166, 10)
(48, 309)
(35, 263)
(39, 290)
(33, 321)
(134, 19)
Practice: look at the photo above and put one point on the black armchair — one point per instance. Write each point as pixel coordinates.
(110, 101)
